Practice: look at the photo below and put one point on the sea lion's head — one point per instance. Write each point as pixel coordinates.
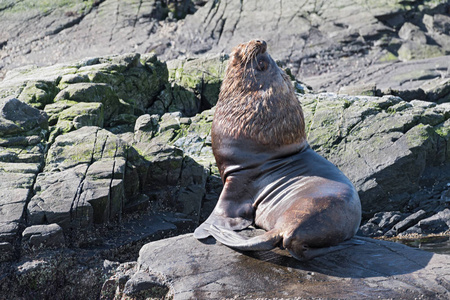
(252, 70)
(257, 99)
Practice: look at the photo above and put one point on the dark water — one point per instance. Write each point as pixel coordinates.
(436, 244)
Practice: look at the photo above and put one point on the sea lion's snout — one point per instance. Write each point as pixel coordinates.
(262, 45)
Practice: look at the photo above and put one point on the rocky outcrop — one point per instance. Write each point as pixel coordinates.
(83, 180)
(328, 45)
(43, 236)
(191, 269)
(126, 133)
(100, 156)
(43, 32)
(106, 154)
(374, 140)
(393, 46)
(61, 166)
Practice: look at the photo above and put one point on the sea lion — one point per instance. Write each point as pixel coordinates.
(272, 178)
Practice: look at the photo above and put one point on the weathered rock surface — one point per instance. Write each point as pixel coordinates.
(83, 180)
(113, 148)
(22, 149)
(373, 140)
(91, 175)
(375, 269)
(90, 142)
(79, 29)
(45, 236)
(326, 44)
(399, 45)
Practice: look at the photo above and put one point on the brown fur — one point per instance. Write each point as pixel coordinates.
(257, 100)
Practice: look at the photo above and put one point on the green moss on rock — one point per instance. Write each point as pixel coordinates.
(202, 75)
(38, 93)
(94, 92)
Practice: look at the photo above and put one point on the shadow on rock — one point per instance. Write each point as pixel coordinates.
(376, 268)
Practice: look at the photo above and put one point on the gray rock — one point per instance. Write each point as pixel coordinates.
(201, 75)
(437, 23)
(144, 282)
(437, 223)
(411, 32)
(92, 92)
(38, 93)
(177, 99)
(43, 236)
(209, 270)
(82, 180)
(22, 132)
(101, 91)
(409, 221)
(175, 175)
(118, 280)
(56, 274)
(309, 53)
(380, 223)
(373, 140)
(18, 118)
(145, 127)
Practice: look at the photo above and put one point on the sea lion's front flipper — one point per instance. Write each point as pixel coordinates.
(234, 210)
(266, 241)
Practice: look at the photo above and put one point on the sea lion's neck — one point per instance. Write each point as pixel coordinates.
(265, 117)
(233, 155)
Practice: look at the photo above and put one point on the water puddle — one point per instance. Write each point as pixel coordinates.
(436, 244)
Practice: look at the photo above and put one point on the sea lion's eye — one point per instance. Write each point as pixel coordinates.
(263, 64)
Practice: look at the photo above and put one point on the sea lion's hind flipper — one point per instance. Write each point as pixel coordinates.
(315, 252)
(266, 241)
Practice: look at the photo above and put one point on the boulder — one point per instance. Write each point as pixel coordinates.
(195, 269)
(82, 182)
(173, 180)
(202, 75)
(18, 118)
(43, 236)
(142, 283)
(92, 92)
(409, 221)
(380, 223)
(38, 93)
(176, 99)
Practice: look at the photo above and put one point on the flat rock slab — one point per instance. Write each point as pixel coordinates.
(376, 269)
